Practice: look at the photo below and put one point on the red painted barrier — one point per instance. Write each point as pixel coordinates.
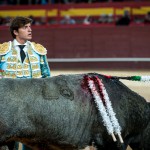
(92, 42)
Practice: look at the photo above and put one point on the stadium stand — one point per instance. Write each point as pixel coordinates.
(52, 14)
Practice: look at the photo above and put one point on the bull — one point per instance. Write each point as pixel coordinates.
(142, 140)
(59, 113)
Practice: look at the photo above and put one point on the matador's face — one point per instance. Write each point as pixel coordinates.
(24, 33)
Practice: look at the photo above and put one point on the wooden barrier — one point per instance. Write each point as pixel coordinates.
(93, 42)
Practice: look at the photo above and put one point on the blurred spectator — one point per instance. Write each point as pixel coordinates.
(61, 1)
(33, 19)
(52, 21)
(1, 20)
(39, 20)
(43, 20)
(87, 20)
(67, 20)
(12, 2)
(6, 21)
(43, 2)
(147, 18)
(125, 19)
(110, 18)
(103, 18)
(138, 19)
(24, 2)
(3, 2)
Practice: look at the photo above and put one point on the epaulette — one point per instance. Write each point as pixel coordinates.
(39, 48)
(4, 48)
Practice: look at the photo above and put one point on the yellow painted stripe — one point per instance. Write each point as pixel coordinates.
(73, 12)
(89, 11)
(14, 13)
(52, 13)
(139, 12)
(120, 11)
(146, 8)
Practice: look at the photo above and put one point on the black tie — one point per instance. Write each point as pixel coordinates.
(22, 53)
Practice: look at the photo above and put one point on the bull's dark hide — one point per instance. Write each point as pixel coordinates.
(59, 113)
(142, 140)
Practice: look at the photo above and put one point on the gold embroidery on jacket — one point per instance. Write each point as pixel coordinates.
(4, 48)
(3, 59)
(30, 52)
(17, 69)
(39, 49)
(19, 73)
(19, 66)
(14, 52)
(26, 66)
(36, 74)
(11, 59)
(11, 67)
(26, 73)
(26, 61)
(33, 59)
(34, 65)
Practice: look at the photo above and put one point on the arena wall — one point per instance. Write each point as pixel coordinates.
(92, 42)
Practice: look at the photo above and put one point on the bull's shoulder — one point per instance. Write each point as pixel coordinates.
(38, 48)
(4, 48)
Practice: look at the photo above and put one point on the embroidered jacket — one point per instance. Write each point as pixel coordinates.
(35, 64)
